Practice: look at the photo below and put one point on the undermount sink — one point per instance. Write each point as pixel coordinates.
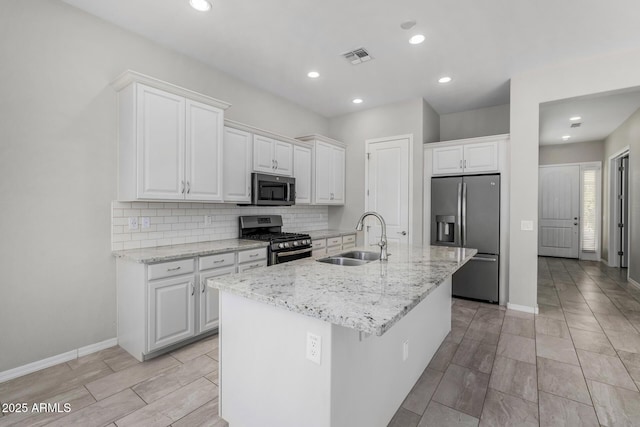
(351, 258)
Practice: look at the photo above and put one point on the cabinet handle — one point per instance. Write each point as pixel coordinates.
(273, 164)
(182, 191)
(174, 268)
(460, 164)
(249, 191)
(254, 266)
(465, 163)
(218, 261)
(193, 289)
(276, 164)
(253, 256)
(188, 187)
(203, 285)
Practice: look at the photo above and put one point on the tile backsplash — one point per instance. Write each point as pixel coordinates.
(176, 223)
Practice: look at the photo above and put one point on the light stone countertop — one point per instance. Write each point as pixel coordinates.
(369, 298)
(169, 253)
(323, 234)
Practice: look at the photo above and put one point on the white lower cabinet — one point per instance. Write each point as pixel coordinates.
(333, 245)
(255, 258)
(208, 307)
(171, 308)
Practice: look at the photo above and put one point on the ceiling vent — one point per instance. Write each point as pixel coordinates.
(576, 125)
(357, 56)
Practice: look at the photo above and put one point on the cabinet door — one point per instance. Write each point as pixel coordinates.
(302, 173)
(447, 160)
(160, 144)
(263, 154)
(283, 158)
(338, 169)
(323, 173)
(170, 311)
(481, 157)
(209, 307)
(236, 165)
(203, 152)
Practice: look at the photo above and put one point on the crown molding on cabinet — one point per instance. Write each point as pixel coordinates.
(268, 134)
(130, 76)
(489, 138)
(316, 137)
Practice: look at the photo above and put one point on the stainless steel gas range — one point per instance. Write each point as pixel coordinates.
(283, 247)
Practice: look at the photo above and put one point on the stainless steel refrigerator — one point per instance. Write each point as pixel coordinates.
(465, 212)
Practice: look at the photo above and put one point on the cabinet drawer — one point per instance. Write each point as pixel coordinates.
(348, 246)
(351, 238)
(319, 244)
(334, 241)
(250, 266)
(170, 269)
(252, 255)
(216, 261)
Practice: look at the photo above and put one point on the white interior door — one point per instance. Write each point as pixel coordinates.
(559, 211)
(388, 191)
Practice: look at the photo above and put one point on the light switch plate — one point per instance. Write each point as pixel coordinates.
(526, 225)
(145, 222)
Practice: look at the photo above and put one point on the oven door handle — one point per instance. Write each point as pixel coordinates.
(288, 253)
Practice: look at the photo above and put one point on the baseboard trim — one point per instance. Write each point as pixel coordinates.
(524, 308)
(633, 282)
(54, 360)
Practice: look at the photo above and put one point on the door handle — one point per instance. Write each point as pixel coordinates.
(404, 233)
(575, 223)
(202, 283)
(193, 289)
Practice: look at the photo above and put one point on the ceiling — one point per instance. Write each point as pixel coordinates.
(600, 114)
(272, 44)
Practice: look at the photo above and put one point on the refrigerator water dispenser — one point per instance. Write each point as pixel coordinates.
(446, 228)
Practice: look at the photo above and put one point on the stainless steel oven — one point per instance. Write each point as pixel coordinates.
(283, 247)
(272, 190)
(286, 255)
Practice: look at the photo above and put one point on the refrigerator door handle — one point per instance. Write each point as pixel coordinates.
(459, 218)
(464, 214)
(484, 259)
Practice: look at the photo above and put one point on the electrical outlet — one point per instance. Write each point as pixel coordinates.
(314, 347)
(405, 350)
(207, 220)
(133, 223)
(146, 223)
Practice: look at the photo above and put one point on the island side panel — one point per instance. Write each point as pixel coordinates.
(265, 378)
(369, 379)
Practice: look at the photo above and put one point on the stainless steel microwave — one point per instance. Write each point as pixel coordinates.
(272, 190)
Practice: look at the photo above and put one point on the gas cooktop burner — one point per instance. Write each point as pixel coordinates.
(283, 247)
(276, 237)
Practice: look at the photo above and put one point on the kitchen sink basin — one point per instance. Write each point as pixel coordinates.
(361, 255)
(351, 258)
(338, 260)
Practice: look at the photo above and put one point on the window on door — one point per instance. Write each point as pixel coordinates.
(590, 204)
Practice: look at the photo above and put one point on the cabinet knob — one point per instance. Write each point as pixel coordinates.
(404, 233)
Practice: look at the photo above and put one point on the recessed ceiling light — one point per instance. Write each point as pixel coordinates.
(313, 74)
(357, 101)
(574, 118)
(445, 79)
(201, 5)
(566, 137)
(408, 25)
(417, 39)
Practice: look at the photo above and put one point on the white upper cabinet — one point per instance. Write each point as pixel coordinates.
(203, 152)
(468, 157)
(237, 165)
(272, 156)
(302, 174)
(170, 141)
(329, 174)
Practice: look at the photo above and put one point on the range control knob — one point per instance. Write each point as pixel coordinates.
(307, 242)
(286, 244)
(281, 245)
(296, 243)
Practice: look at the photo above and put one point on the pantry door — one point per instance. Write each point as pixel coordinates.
(387, 189)
(559, 211)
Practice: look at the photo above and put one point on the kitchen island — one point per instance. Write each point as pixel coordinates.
(315, 344)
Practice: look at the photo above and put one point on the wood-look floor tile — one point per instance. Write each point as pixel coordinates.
(588, 322)
(457, 332)
(438, 415)
(475, 355)
(489, 315)
(632, 362)
(563, 380)
(462, 389)
(196, 349)
(605, 369)
(19, 389)
(466, 303)
(615, 406)
(515, 377)
(121, 361)
(422, 391)
(592, 341)
(520, 314)
(625, 341)
(571, 295)
(404, 418)
(214, 377)
(575, 307)
(77, 398)
(173, 378)
(96, 357)
(504, 410)
(552, 300)
(603, 307)
(519, 326)
(556, 348)
(461, 314)
(128, 377)
(103, 411)
(614, 322)
(204, 416)
(172, 407)
(516, 347)
(443, 356)
(553, 327)
(484, 332)
(558, 411)
(550, 311)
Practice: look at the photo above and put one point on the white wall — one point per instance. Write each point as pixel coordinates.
(406, 117)
(58, 166)
(474, 123)
(580, 152)
(627, 134)
(567, 80)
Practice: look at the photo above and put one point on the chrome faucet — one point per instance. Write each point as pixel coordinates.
(383, 238)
